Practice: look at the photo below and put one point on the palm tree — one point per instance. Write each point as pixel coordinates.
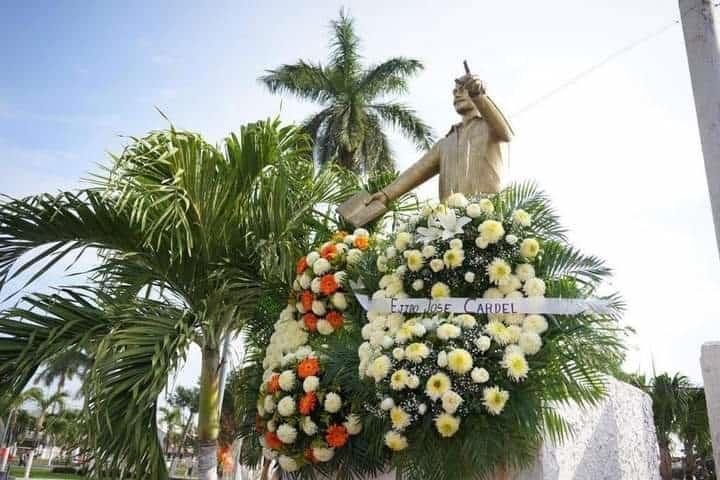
(12, 423)
(669, 397)
(64, 367)
(187, 236)
(45, 404)
(350, 127)
(171, 417)
(693, 429)
(184, 399)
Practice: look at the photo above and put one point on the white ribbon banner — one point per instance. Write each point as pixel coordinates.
(558, 306)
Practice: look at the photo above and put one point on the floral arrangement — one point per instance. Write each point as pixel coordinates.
(303, 417)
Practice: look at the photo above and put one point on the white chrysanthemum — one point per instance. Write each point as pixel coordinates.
(491, 230)
(479, 375)
(469, 277)
(511, 239)
(398, 353)
(456, 244)
(442, 359)
(535, 323)
(339, 301)
(466, 320)
(495, 399)
(379, 368)
(436, 265)
(324, 327)
(286, 406)
(481, 242)
(305, 281)
(311, 383)
(333, 402)
(318, 308)
(413, 382)
(534, 287)
(399, 418)
(287, 380)
(415, 260)
(460, 361)
(493, 293)
(390, 252)
(353, 424)
(286, 433)
(361, 232)
(321, 266)
(447, 425)
(387, 403)
(403, 334)
(482, 343)
(353, 256)
(457, 200)
(525, 272)
(271, 426)
(498, 332)
(499, 271)
(269, 404)
(516, 365)
(447, 331)
(349, 239)
(311, 258)
(288, 463)
(428, 251)
(402, 240)
(451, 401)
(323, 454)
(529, 248)
(522, 217)
(473, 210)
(453, 258)
(530, 342)
(440, 290)
(308, 426)
(512, 284)
(417, 352)
(437, 385)
(418, 285)
(487, 206)
(513, 332)
(398, 380)
(381, 263)
(395, 441)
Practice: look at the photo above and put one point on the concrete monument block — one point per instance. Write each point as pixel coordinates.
(710, 363)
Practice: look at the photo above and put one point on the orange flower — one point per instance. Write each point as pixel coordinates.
(301, 265)
(328, 251)
(310, 321)
(308, 403)
(306, 298)
(273, 384)
(272, 440)
(328, 285)
(362, 243)
(335, 319)
(339, 236)
(309, 455)
(336, 436)
(307, 368)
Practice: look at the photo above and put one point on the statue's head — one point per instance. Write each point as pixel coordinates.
(461, 99)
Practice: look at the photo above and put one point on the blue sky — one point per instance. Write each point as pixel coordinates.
(618, 151)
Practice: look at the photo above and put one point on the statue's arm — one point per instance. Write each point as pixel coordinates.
(492, 114)
(421, 171)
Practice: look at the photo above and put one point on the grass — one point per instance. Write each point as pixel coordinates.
(18, 472)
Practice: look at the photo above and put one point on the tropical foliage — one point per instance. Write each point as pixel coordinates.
(350, 127)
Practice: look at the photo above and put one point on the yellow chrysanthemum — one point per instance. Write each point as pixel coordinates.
(460, 361)
(447, 425)
(495, 399)
(395, 441)
(522, 217)
(499, 271)
(398, 380)
(516, 365)
(440, 290)
(437, 385)
(529, 248)
(415, 260)
(417, 352)
(453, 258)
(491, 230)
(498, 332)
(399, 418)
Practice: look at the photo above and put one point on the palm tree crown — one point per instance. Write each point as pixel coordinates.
(350, 127)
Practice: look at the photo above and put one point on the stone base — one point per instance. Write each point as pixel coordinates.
(613, 441)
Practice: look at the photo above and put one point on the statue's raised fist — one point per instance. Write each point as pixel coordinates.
(472, 84)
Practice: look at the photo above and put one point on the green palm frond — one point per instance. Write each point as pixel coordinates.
(406, 120)
(528, 196)
(561, 260)
(304, 79)
(389, 77)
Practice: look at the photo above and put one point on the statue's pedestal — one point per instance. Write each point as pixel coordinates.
(613, 441)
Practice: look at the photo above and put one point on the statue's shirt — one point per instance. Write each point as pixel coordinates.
(470, 160)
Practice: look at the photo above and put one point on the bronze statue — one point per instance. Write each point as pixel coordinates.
(468, 159)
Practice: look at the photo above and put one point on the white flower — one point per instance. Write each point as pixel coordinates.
(415, 260)
(413, 381)
(286, 406)
(494, 399)
(456, 244)
(534, 287)
(457, 200)
(460, 361)
(465, 320)
(491, 230)
(395, 441)
(447, 425)
(428, 251)
(286, 433)
(499, 271)
(288, 464)
(311, 258)
(398, 353)
(487, 206)
(324, 327)
(402, 240)
(469, 277)
(323, 454)
(340, 277)
(267, 453)
(398, 380)
(529, 248)
(535, 323)
(417, 352)
(437, 385)
(418, 329)
(510, 286)
(440, 290)
(479, 375)
(287, 380)
(451, 225)
(522, 217)
(453, 258)
(390, 252)
(422, 408)
(318, 308)
(311, 383)
(381, 263)
(333, 402)
(399, 418)
(353, 256)
(442, 359)
(339, 301)
(352, 424)
(473, 210)
(315, 285)
(269, 404)
(525, 272)
(361, 232)
(271, 426)
(418, 284)
(481, 242)
(321, 266)
(447, 331)
(511, 239)
(387, 403)
(451, 401)
(492, 293)
(308, 426)
(379, 368)
(530, 342)
(516, 365)
(436, 265)
(304, 281)
(349, 239)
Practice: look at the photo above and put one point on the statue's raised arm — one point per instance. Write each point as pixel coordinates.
(468, 159)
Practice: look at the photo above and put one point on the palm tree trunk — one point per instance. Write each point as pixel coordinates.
(209, 414)
(347, 158)
(38, 429)
(7, 436)
(665, 463)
